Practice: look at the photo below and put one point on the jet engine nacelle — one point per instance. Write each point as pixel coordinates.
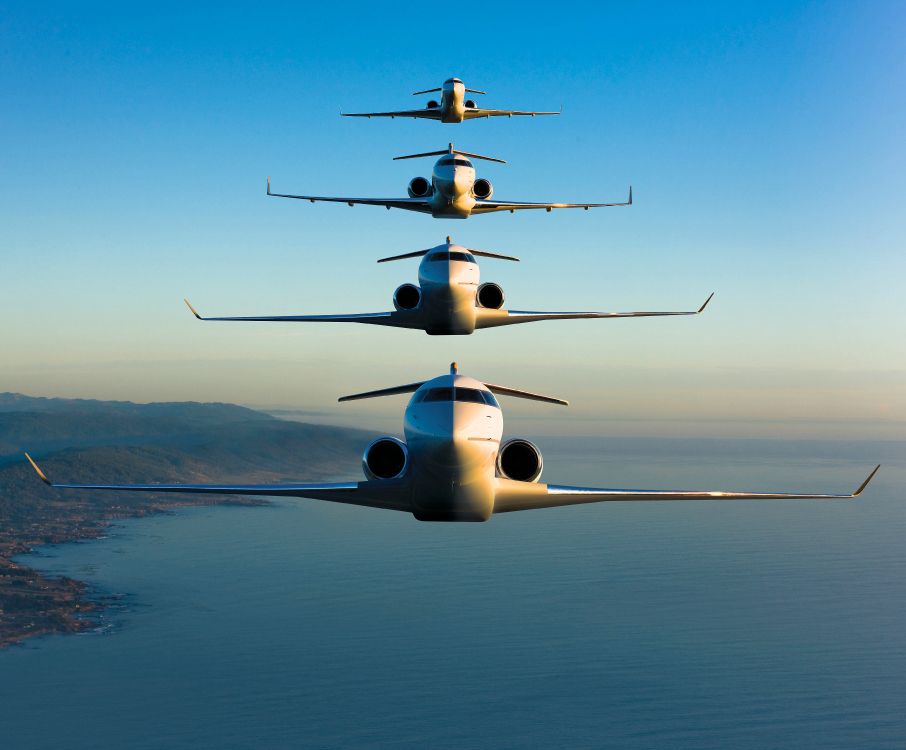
(432, 104)
(385, 458)
(470, 103)
(520, 460)
(419, 187)
(490, 295)
(482, 189)
(407, 297)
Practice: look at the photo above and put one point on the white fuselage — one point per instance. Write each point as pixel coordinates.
(452, 101)
(453, 440)
(448, 277)
(452, 180)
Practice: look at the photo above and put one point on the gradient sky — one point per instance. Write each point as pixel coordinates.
(765, 144)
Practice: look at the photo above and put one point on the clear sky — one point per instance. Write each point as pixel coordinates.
(765, 144)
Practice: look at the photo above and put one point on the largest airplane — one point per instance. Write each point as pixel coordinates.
(452, 466)
(454, 192)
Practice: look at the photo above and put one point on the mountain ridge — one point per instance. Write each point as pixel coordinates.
(121, 442)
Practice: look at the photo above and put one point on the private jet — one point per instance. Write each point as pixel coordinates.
(452, 466)
(452, 107)
(448, 300)
(452, 193)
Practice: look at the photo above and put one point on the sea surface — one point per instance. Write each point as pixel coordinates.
(648, 625)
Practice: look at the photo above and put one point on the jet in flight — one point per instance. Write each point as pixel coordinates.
(447, 300)
(452, 107)
(452, 465)
(452, 193)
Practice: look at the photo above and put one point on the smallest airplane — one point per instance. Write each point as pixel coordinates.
(453, 106)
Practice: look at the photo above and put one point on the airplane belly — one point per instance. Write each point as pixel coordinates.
(453, 450)
(450, 312)
(446, 204)
(453, 114)
(454, 501)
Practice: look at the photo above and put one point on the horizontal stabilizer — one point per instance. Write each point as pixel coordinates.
(396, 390)
(415, 254)
(449, 150)
(488, 254)
(503, 391)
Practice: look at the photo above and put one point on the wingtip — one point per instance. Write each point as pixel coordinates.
(702, 308)
(865, 483)
(194, 311)
(37, 469)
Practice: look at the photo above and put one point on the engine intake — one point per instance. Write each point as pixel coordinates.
(432, 104)
(490, 295)
(470, 104)
(520, 460)
(419, 187)
(385, 458)
(482, 189)
(407, 297)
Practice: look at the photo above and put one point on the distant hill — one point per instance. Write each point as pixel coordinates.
(118, 442)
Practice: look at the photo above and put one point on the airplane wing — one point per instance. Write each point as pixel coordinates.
(408, 204)
(494, 318)
(489, 206)
(513, 496)
(379, 318)
(424, 114)
(476, 112)
(368, 494)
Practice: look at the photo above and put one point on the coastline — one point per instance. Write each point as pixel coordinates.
(34, 604)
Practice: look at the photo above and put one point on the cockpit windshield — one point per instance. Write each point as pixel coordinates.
(443, 255)
(464, 395)
(454, 162)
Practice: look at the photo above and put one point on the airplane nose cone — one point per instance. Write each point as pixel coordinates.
(463, 179)
(462, 437)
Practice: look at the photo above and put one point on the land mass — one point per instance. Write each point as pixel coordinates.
(119, 442)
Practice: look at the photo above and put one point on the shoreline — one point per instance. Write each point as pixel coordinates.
(34, 603)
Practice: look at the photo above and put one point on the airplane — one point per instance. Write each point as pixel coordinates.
(448, 299)
(452, 466)
(452, 193)
(452, 107)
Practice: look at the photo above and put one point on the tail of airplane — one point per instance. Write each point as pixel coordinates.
(449, 150)
(454, 369)
(420, 253)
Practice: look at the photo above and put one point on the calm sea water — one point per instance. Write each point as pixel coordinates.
(307, 625)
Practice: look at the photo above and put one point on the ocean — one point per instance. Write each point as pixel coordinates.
(648, 625)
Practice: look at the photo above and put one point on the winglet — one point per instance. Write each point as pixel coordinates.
(195, 312)
(701, 309)
(44, 478)
(855, 494)
(630, 196)
(269, 185)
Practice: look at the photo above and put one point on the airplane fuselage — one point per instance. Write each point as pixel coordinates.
(453, 445)
(448, 277)
(452, 101)
(452, 181)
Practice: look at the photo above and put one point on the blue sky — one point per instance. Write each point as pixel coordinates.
(764, 141)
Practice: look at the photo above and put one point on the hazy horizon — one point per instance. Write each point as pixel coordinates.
(764, 142)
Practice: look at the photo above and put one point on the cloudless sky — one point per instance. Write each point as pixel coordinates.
(764, 142)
